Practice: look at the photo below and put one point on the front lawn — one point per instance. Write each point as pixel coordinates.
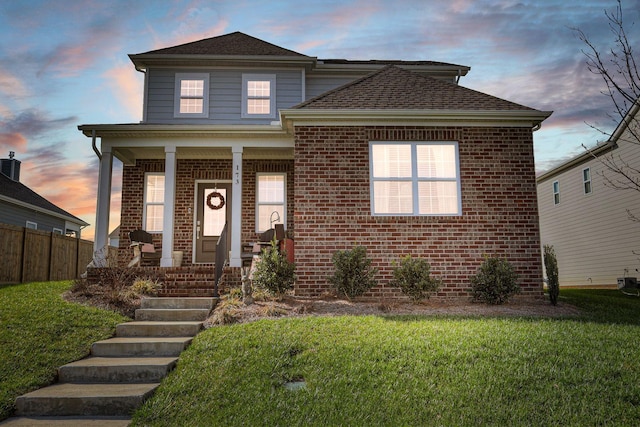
(411, 370)
(39, 332)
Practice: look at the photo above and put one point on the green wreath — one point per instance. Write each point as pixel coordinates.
(220, 198)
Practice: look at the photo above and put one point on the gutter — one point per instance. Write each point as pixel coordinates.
(93, 144)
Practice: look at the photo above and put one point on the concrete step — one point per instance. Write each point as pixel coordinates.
(196, 302)
(140, 346)
(158, 329)
(170, 314)
(117, 370)
(67, 422)
(84, 399)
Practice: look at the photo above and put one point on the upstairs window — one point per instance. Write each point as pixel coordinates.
(32, 225)
(556, 193)
(586, 180)
(153, 211)
(415, 178)
(192, 95)
(258, 96)
(271, 200)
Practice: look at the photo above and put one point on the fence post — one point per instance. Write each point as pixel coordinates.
(23, 259)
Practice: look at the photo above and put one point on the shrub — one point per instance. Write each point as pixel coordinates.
(551, 265)
(412, 276)
(141, 286)
(353, 272)
(274, 272)
(495, 282)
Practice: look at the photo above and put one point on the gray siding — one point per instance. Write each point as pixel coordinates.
(317, 85)
(592, 235)
(18, 215)
(225, 95)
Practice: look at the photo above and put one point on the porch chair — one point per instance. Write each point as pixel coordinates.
(143, 248)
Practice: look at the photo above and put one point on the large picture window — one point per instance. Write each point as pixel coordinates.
(153, 214)
(258, 95)
(271, 200)
(192, 95)
(415, 178)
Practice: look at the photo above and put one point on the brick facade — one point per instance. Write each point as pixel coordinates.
(328, 184)
(499, 208)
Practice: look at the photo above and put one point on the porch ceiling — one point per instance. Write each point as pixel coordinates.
(129, 155)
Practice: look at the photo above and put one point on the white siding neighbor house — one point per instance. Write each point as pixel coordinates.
(586, 219)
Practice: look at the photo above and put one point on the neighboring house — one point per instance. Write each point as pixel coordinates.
(21, 206)
(114, 237)
(586, 219)
(391, 155)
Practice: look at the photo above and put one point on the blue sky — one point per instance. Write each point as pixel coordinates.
(64, 63)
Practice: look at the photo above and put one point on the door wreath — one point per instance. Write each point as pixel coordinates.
(218, 196)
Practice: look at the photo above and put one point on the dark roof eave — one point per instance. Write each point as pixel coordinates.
(143, 60)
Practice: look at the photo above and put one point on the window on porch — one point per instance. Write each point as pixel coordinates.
(153, 212)
(271, 200)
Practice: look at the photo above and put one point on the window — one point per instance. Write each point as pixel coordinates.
(271, 200)
(32, 225)
(556, 193)
(192, 95)
(586, 180)
(258, 96)
(414, 178)
(153, 214)
(57, 231)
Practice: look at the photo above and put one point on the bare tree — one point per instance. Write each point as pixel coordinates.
(618, 68)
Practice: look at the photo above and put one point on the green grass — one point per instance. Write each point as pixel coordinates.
(411, 370)
(39, 332)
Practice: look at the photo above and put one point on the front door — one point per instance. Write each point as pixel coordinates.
(213, 210)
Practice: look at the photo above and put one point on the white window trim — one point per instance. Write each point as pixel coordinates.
(284, 200)
(556, 200)
(31, 225)
(145, 203)
(585, 181)
(414, 179)
(205, 95)
(57, 230)
(271, 78)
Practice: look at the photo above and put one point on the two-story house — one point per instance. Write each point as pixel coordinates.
(392, 155)
(586, 218)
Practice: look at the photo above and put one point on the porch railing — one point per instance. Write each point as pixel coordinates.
(222, 254)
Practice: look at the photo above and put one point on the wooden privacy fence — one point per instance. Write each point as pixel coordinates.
(38, 256)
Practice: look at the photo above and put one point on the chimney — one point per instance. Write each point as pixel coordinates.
(10, 167)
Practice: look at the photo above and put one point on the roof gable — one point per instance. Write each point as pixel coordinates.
(232, 44)
(393, 88)
(19, 192)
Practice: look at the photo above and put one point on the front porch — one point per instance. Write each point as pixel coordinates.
(187, 281)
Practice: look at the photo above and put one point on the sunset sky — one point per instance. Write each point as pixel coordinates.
(64, 63)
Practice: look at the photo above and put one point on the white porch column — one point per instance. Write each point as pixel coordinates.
(169, 205)
(103, 207)
(236, 209)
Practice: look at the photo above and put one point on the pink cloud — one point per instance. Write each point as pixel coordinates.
(12, 86)
(12, 142)
(126, 84)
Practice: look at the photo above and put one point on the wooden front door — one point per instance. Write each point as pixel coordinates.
(213, 210)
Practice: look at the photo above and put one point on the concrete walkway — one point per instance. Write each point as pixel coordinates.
(121, 373)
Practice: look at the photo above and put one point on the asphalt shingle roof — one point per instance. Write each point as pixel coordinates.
(393, 88)
(20, 192)
(234, 44)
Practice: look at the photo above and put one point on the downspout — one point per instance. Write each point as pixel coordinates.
(536, 127)
(93, 144)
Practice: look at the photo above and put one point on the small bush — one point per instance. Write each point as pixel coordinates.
(412, 276)
(551, 265)
(353, 272)
(274, 272)
(227, 311)
(495, 282)
(141, 286)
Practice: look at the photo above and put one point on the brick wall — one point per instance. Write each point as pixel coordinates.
(332, 210)
(187, 172)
